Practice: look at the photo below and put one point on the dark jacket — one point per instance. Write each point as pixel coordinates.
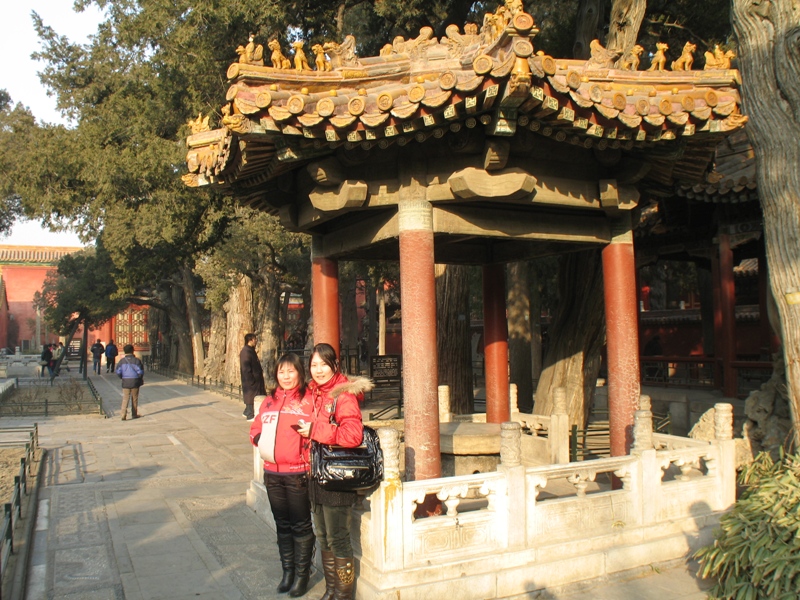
(348, 430)
(111, 351)
(97, 350)
(252, 374)
(131, 371)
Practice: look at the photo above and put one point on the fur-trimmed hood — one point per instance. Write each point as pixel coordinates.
(358, 386)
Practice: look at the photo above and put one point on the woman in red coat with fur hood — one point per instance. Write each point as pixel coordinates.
(336, 396)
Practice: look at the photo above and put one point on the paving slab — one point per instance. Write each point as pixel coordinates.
(154, 508)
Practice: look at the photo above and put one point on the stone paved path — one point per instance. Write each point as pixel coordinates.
(154, 508)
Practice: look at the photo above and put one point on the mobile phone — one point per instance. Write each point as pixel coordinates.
(301, 422)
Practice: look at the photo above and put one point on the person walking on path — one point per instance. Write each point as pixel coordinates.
(131, 371)
(252, 375)
(336, 396)
(286, 463)
(97, 351)
(111, 357)
(47, 360)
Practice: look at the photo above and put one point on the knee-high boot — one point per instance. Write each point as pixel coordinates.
(286, 551)
(345, 578)
(329, 570)
(303, 551)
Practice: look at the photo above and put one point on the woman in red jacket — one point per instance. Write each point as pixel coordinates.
(285, 454)
(334, 395)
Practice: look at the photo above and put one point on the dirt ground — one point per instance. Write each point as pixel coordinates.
(9, 468)
(67, 396)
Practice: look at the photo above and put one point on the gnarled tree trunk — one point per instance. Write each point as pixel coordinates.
(239, 312)
(577, 334)
(768, 34)
(589, 26)
(216, 359)
(453, 336)
(266, 303)
(518, 306)
(193, 317)
(181, 351)
(624, 23)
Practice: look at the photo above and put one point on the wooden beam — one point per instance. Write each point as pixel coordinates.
(360, 235)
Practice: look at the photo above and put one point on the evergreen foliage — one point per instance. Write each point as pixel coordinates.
(757, 551)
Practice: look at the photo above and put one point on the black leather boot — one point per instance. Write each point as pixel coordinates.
(329, 570)
(303, 551)
(286, 550)
(345, 578)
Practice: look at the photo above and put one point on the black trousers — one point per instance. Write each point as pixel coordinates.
(288, 499)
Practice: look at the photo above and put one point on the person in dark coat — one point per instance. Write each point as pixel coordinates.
(111, 357)
(97, 351)
(252, 375)
(131, 370)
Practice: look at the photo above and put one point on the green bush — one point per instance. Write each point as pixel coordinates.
(757, 551)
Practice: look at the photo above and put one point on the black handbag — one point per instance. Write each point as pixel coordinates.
(339, 469)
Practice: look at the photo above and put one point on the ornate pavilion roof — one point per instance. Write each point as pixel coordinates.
(278, 118)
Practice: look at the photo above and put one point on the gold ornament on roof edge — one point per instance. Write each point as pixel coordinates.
(251, 54)
(685, 62)
(630, 60)
(719, 59)
(659, 60)
(320, 60)
(300, 60)
(200, 124)
(279, 61)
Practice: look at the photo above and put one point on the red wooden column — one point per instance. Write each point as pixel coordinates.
(420, 366)
(719, 333)
(622, 336)
(324, 296)
(728, 313)
(495, 336)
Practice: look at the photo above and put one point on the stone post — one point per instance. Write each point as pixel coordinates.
(386, 508)
(495, 336)
(642, 430)
(622, 335)
(445, 415)
(510, 444)
(514, 503)
(723, 432)
(324, 296)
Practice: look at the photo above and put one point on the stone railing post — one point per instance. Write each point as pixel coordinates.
(558, 434)
(510, 444)
(642, 431)
(386, 508)
(445, 414)
(723, 432)
(514, 506)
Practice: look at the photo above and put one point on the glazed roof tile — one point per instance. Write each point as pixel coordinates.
(427, 87)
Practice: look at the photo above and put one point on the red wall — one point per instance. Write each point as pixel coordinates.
(22, 282)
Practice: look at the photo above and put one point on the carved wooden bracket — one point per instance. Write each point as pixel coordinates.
(474, 184)
(327, 172)
(349, 194)
(495, 154)
(617, 197)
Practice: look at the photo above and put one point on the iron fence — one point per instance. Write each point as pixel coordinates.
(13, 509)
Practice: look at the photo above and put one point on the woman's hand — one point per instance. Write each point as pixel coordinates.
(304, 428)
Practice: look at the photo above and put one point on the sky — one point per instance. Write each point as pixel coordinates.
(18, 75)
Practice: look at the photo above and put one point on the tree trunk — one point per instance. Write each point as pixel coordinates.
(239, 313)
(349, 314)
(216, 359)
(624, 23)
(577, 334)
(589, 26)
(518, 305)
(536, 330)
(193, 316)
(372, 318)
(266, 303)
(453, 336)
(181, 358)
(770, 65)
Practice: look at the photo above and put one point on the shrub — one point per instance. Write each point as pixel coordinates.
(756, 553)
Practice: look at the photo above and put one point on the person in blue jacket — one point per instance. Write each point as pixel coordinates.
(111, 357)
(131, 371)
